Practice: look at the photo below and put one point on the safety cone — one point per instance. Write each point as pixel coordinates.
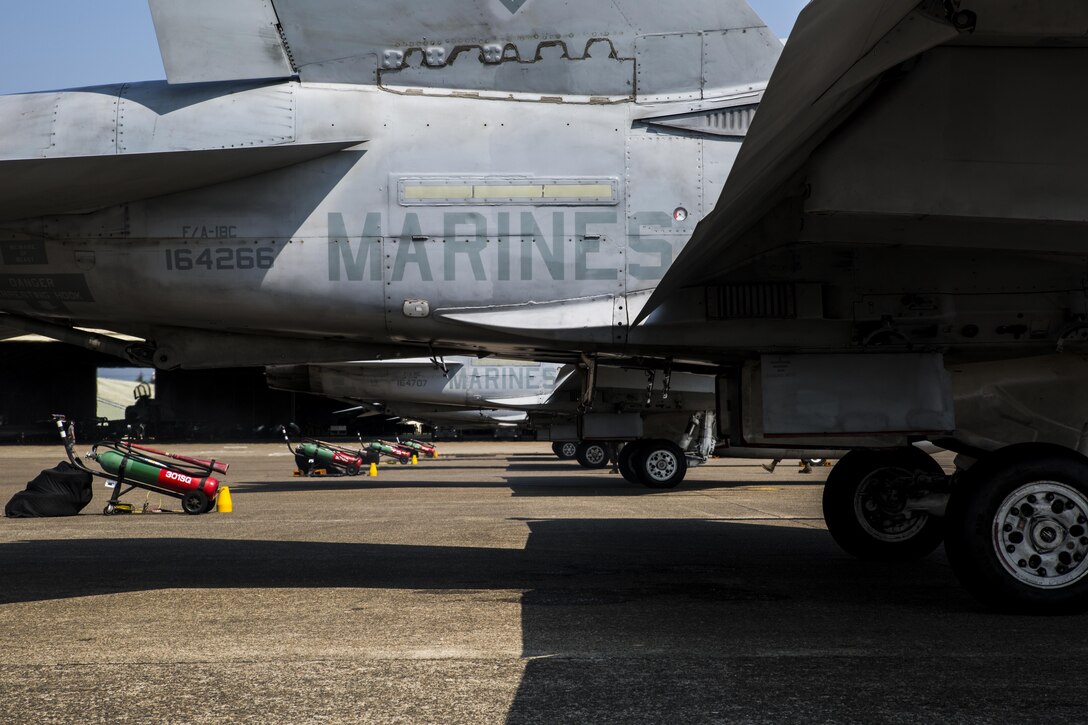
(415, 460)
(373, 470)
(223, 504)
(434, 455)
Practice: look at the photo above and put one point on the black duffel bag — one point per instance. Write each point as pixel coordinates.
(61, 491)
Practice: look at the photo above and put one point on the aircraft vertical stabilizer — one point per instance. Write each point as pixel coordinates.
(212, 40)
(682, 50)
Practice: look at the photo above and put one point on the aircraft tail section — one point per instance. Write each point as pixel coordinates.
(648, 50)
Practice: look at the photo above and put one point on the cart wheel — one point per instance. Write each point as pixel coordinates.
(194, 502)
(110, 509)
(352, 471)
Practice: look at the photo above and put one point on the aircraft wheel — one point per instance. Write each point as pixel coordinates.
(591, 454)
(625, 461)
(565, 450)
(194, 502)
(865, 505)
(1018, 530)
(660, 464)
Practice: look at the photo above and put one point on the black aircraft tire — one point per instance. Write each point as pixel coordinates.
(565, 450)
(194, 502)
(593, 454)
(1017, 534)
(863, 517)
(660, 464)
(625, 462)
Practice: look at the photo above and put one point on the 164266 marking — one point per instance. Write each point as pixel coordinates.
(221, 259)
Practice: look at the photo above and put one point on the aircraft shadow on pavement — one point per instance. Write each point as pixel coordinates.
(566, 482)
(356, 483)
(603, 483)
(630, 619)
(698, 559)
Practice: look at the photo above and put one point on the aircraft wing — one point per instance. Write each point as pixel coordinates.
(45, 186)
(490, 45)
(837, 52)
(828, 87)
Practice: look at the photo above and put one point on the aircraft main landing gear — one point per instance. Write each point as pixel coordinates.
(653, 463)
(1018, 530)
(565, 450)
(591, 454)
(871, 504)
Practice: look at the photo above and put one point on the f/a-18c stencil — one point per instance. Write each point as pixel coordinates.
(897, 257)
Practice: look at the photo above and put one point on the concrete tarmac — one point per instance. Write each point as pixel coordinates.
(498, 584)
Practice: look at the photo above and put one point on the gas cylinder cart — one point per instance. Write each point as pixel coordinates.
(394, 451)
(420, 448)
(312, 456)
(130, 466)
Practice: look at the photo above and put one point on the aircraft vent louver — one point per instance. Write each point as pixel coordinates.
(752, 301)
(733, 122)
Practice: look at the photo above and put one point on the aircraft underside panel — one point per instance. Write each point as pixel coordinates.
(1041, 399)
(1022, 169)
(821, 399)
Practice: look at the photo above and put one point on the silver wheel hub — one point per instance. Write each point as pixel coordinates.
(595, 454)
(1041, 534)
(880, 505)
(569, 449)
(661, 465)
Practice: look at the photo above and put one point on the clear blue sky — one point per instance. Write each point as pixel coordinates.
(50, 44)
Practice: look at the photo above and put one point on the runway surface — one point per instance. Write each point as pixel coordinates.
(498, 584)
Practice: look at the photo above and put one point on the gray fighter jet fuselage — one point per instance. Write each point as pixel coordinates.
(529, 201)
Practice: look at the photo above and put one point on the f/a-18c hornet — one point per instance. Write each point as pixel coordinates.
(898, 255)
(474, 392)
(545, 396)
(463, 391)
